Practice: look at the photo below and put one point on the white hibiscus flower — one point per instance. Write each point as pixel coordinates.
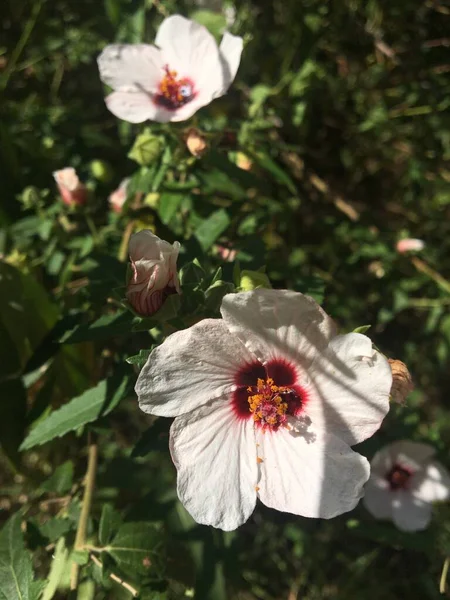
(170, 82)
(267, 403)
(404, 483)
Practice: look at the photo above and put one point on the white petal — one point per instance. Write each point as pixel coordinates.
(378, 498)
(409, 513)
(136, 107)
(278, 323)
(190, 368)
(191, 50)
(215, 455)
(350, 388)
(411, 455)
(230, 53)
(310, 475)
(131, 67)
(432, 484)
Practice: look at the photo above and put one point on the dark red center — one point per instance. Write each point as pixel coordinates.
(174, 91)
(283, 375)
(398, 477)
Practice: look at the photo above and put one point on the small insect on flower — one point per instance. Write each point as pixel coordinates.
(268, 401)
(170, 81)
(404, 483)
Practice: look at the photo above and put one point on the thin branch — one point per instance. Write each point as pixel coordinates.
(133, 591)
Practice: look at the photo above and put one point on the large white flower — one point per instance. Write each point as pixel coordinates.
(404, 483)
(170, 82)
(268, 401)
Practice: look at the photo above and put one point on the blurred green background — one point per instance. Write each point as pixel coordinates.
(341, 111)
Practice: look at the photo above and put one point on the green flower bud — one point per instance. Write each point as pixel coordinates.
(101, 171)
(251, 280)
(146, 148)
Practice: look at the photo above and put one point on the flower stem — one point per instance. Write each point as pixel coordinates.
(443, 581)
(80, 538)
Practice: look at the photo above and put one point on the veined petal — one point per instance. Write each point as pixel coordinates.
(190, 368)
(136, 107)
(432, 484)
(215, 456)
(278, 323)
(410, 513)
(131, 67)
(230, 50)
(191, 50)
(310, 475)
(351, 401)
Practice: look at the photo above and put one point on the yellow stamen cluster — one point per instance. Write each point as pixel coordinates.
(267, 404)
(170, 86)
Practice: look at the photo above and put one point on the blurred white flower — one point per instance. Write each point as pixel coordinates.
(170, 81)
(404, 483)
(410, 244)
(118, 197)
(154, 272)
(72, 191)
(267, 402)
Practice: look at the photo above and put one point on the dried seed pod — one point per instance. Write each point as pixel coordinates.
(402, 383)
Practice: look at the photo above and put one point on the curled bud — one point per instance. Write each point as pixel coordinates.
(196, 143)
(252, 280)
(402, 383)
(118, 197)
(410, 244)
(154, 272)
(72, 191)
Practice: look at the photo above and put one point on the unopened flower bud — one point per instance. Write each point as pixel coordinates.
(402, 383)
(118, 197)
(154, 272)
(196, 143)
(243, 161)
(251, 280)
(146, 148)
(410, 244)
(72, 191)
(101, 170)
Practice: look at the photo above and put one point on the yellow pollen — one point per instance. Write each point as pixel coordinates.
(267, 405)
(256, 488)
(259, 460)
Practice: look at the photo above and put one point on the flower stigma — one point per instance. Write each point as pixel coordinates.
(267, 404)
(173, 91)
(398, 477)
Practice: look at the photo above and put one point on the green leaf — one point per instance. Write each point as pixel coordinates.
(110, 522)
(215, 293)
(168, 205)
(212, 228)
(156, 437)
(95, 402)
(362, 329)
(57, 568)
(16, 572)
(105, 327)
(138, 546)
(214, 21)
(60, 481)
(139, 359)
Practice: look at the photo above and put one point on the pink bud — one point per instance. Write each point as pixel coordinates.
(154, 277)
(118, 197)
(410, 244)
(72, 191)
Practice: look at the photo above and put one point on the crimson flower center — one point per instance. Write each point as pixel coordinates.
(398, 477)
(173, 91)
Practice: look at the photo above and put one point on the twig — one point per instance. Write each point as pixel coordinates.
(133, 591)
(80, 538)
(434, 275)
(123, 250)
(443, 581)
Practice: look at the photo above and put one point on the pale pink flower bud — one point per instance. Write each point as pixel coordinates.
(73, 191)
(154, 266)
(118, 197)
(410, 244)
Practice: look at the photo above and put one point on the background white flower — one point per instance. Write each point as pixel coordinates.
(268, 401)
(404, 483)
(170, 82)
(154, 272)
